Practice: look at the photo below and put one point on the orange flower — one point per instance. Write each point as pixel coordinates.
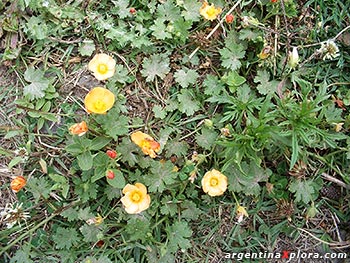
(79, 128)
(99, 100)
(135, 199)
(147, 144)
(214, 183)
(18, 183)
(102, 66)
(209, 12)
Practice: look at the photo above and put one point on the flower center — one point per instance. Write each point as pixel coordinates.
(214, 181)
(136, 197)
(102, 68)
(211, 11)
(146, 144)
(100, 105)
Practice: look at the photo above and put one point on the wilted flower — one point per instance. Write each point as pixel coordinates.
(102, 66)
(329, 50)
(147, 144)
(241, 213)
(135, 199)
(79, 128)
(97, 220)
(214, 183)
(293, 58)
(265, 52)
(13, 214)
(18, 183)
(209, 12)
(99, 100)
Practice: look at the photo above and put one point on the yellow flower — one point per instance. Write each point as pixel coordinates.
(99, 100)
(241, 212)
(79, 128)
(209, 12)
(147, 144)
(135, 199)
(102, 66)
(18, 183)
(214, 183)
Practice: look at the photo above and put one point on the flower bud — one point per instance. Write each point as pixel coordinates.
(110, 174)
(293, 58)
(111, 154)
(229, 18)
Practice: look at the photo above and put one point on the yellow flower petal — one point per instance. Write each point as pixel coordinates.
(99, 100)
(102, 66)
(214, 183)
(147, 144)
(18, 183)
(135, 199)
(209, 12)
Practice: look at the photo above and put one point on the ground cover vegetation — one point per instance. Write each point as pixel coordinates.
(173, 131)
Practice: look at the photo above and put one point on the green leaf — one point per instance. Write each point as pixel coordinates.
(39, 187)
(85, 160)
(36, 28)
(207, 138)
(188, 103)
(38, 85)
(138, 229)
(127, 150)
(114, 123)
(212, 85)
(22, 255)
(61, 183)
(231, 56)
(177, 148)
(118, 181)
(85, 214)
(246, 177)
(15, 160)
(161, 175)
(98, 143)
(191, 10)
(185, 77)
(234, 79)
(65, 238)
(87, 47)
(159, 30)
(91, 233)
(123, 9)
(190, 210)
(112, 192)
(304, 190)
(168, 207)
(155, 65)
(178, 236)
(266, 86)
(71, 214)
(159, 112)
(168, 11)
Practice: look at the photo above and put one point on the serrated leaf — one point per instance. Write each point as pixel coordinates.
(85, 160)
(162, 174)
(188, 103)
(71, 214)
(155, 65)
(123, 10)
(177, 148)
(90, 232)
(87, 47)
(112, 192)
(207, 138)
(231, 56)
(303, 190)
(266, 86)
(178, 236)
(22, 255)
(190, 210)
(85, 214)
(185, 77)
(114, 123)
(39, 84)
(65, 238)
(168, 207)
(159, 112)
(168, 11)
(212, 85)
(159, 30)
(39, 187)
(127, 150)
(137, 229)
(246, 177)
(191, 10)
